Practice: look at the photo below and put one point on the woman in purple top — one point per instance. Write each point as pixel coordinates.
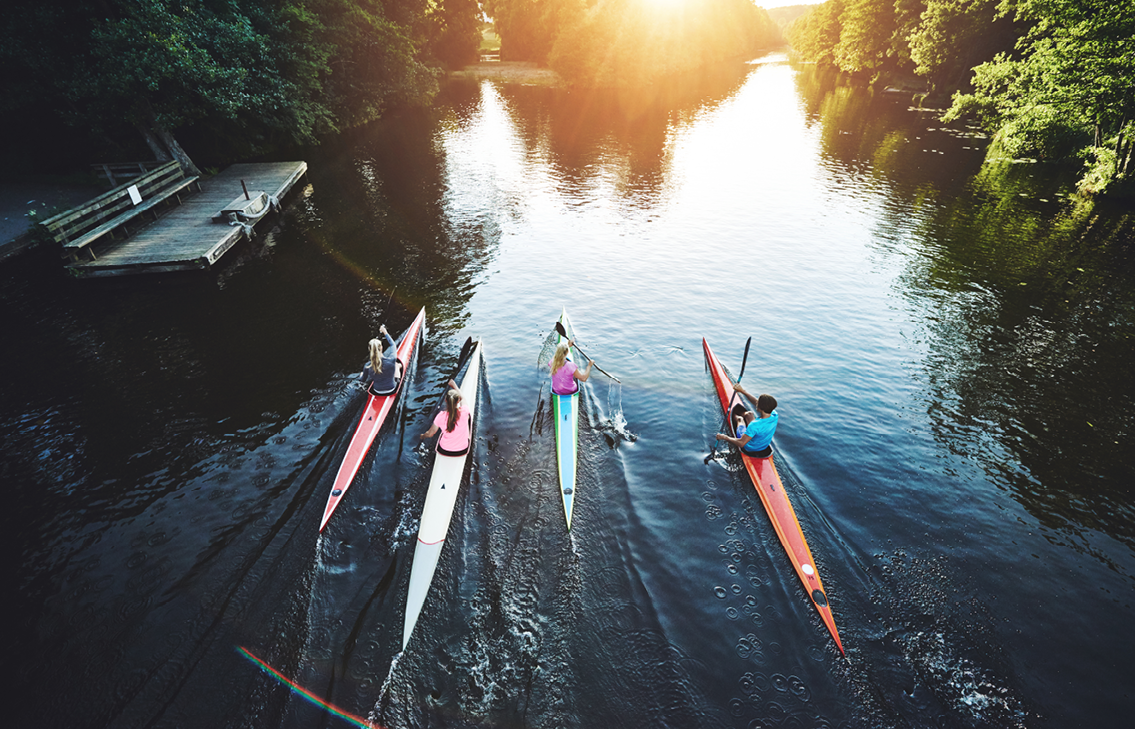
(564, 371)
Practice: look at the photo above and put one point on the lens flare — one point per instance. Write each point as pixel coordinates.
(304, 693)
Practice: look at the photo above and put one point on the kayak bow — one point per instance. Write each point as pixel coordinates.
(437, 512)
(565, 410)
(374, 415)
(767, 482)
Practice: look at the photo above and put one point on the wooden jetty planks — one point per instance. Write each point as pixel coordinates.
(185, 237)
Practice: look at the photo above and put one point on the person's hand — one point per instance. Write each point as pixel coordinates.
(382, 329)
(719, 436)
(453, 384)
(737, 387)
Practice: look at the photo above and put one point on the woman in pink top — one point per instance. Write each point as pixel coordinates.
(454, 424)
(564, 371)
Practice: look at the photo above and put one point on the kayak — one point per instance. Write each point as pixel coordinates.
(565, 410)
(437, 512)
(374, 415)
(767, 482)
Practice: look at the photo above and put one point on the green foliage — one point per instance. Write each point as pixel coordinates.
(953, 36)
(1049, 79)
(1102, 170)
(455, 31)
(1068, 87)
(865, 36)
(529, 28)
(815, 35)
(266, 73)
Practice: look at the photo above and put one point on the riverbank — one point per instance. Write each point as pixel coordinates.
(525, 73)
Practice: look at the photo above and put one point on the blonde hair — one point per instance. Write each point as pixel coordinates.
(452, 401)
(560, 356)
(375, 346)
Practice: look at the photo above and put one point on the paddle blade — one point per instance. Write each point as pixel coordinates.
(466, 349)
(745, 359)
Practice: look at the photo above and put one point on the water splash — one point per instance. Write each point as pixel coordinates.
(614, 425)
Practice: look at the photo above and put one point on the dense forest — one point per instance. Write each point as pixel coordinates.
(237, 76)
(1049, 79)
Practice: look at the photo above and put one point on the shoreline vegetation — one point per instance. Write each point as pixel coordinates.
(526, 73)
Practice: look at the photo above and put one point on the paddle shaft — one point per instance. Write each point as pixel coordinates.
(726, 426)
(563, 333)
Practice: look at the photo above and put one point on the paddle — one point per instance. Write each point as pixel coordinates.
(563, 333)
(726, 428)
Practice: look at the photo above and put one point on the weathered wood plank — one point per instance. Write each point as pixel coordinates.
(185, 237)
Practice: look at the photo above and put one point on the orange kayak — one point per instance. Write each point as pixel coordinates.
(780, 512)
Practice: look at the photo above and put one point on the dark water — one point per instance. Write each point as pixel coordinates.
(952, 353)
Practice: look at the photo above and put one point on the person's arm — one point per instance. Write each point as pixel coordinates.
(389, 339)
(583, 374)
(429, 433)
(752, 398)
(739, 442)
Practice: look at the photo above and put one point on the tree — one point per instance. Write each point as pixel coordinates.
(814, 36)
(267, 73)
(954, 36)
(865, 36)
(455, 31)
(1069, 90)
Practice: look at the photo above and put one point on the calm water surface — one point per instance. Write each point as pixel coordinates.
(952, 353)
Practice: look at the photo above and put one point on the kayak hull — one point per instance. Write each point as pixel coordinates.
(370, 423)
(766, 481)
(565, 411)
(437, 512)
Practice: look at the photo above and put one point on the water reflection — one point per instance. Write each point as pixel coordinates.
(1021, 320)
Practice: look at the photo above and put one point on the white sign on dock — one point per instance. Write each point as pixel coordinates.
(135, 196)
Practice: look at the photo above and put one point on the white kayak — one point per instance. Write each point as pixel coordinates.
(437, 512)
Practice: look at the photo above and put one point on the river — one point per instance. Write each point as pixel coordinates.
(952, 350)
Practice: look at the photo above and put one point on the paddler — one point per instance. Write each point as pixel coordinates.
(453, 422)
(382, 373)
(754, 429)
(564, 371)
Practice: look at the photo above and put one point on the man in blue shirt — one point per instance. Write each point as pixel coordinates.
(754, 430)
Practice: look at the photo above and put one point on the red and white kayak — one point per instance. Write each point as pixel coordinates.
(780, 512)
(374, 415)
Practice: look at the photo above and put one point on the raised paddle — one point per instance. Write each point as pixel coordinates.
(744, 361)
(563, 333)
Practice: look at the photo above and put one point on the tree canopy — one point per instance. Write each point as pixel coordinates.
(267, 72)
(1049, 78)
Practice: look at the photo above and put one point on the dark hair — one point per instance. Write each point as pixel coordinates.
(766, 403)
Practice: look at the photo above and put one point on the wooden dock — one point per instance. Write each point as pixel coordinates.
(186, 237)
